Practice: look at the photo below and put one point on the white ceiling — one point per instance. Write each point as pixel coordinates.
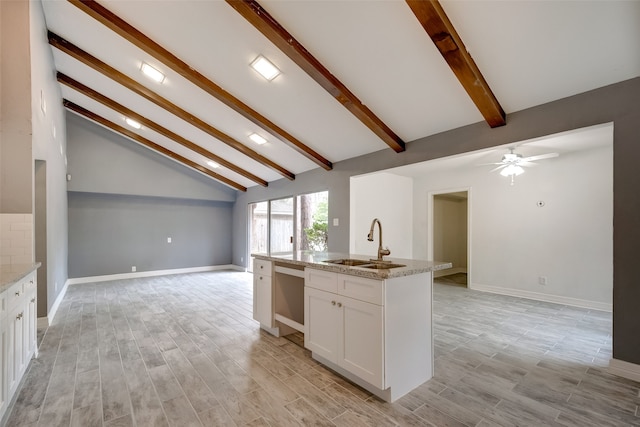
(530, 52)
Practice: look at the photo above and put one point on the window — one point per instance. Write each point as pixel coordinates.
(290, 224)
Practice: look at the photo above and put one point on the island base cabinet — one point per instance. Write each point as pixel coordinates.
(346, 332)
(263, 293)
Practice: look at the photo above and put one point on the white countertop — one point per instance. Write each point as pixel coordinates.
(12, 273)
(319, 260)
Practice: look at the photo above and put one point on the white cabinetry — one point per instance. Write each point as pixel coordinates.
(345, 330)
(263, 293)
(18, 334)
(375, 332)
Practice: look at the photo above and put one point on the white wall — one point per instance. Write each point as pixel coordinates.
(389, 198)
(513, 241)
(49, 144)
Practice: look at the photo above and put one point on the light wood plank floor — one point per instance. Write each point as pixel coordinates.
(184, 351)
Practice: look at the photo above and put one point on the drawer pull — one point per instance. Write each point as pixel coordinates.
(18, 294)
(33, 300)
(339, 304)
(333, 303)
(19, 316)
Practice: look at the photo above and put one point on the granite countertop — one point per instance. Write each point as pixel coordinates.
(319, 260)
(12, 273)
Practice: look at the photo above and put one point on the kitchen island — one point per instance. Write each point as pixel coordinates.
(368, 320)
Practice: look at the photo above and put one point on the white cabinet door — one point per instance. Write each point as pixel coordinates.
(263, 299)
(16, 353)
(361, 349)
(30, 323)
(322, 323)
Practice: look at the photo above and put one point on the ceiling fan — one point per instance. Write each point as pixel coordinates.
(512, 163)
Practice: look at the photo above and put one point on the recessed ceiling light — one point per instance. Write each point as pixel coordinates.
(257, 139)
(133, 123)
(213, 164)
(152, 73)
(266, 69)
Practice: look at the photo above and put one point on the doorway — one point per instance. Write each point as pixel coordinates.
(450, 227)
(40, 232)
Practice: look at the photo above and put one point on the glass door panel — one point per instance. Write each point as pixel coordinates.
(281, 226)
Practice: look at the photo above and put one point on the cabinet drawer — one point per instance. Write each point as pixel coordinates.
(15, 295)
(262, 267)
(320, 279)
(360, 288)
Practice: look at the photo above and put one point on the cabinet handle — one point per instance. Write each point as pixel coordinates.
(19, 316)
(33, 300)
(31, 281)
(333, 303)
(260, 277)
(339, 304)
(17, 294)
(261, 267)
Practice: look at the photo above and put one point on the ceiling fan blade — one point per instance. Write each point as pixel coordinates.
(540, 157)
(498, 168)
(489, 164)
(527, 164)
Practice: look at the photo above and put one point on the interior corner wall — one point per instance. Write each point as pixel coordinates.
(49, 145)
(16, 164)
(389, 198)
(617, 103)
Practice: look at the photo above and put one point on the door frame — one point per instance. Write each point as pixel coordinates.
(430, 225)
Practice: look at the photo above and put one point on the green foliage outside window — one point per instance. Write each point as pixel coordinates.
(317, 233)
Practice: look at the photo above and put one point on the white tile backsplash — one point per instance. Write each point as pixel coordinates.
(16, 238)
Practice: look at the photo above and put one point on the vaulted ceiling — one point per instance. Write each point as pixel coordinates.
(356, 76)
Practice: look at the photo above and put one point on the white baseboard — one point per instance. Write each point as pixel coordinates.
(43, 323)
(56, 304)
(449, 271)
(138, 274)
(624, 369)
(575, 302)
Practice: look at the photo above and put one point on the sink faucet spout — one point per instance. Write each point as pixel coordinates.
(381, 251)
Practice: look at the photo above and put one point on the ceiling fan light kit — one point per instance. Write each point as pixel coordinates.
(511, 163)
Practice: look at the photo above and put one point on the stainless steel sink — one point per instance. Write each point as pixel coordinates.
(372, 264)
(348, 262)
(382, 265)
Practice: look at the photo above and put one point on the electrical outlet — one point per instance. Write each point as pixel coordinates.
(56, 285)
(542, 280)
(241, 259)
(133, 268)
(168, 239)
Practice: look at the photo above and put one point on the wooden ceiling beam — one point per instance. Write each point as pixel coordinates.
(149, 144)
(93, 62)
(443, 34)
(85, 90)
(135, 37)
(278, 35)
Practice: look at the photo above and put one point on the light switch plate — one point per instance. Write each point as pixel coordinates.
(336, 222)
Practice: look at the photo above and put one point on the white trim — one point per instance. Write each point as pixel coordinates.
(43, 322)
(449, 272)
(56, 303)
(576, 302)
(624, 369)
(106, 278)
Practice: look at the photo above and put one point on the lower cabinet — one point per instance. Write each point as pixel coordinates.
(18, 335)
(347, 332)
(263, 293)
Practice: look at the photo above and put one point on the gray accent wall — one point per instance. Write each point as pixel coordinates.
(109, 233)
(616, 103)
(125, 201)
(102, 161)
